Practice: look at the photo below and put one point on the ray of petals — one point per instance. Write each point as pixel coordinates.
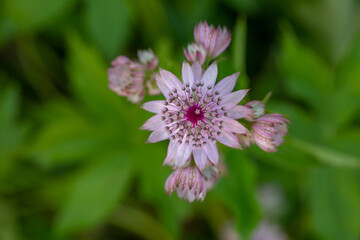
(226, 85)
(234, 98)
(153, 123)
(228, 139)
(232, 125)
(158, 135)
(187, 74)
(200, 158)
(210, 75)
(153, 106)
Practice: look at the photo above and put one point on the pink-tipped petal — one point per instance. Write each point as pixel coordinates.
(187, 74)
(163, 86)
(153, 123)
(170, 79)
(200, 159)
(153, 106)
(197, 70)
(212, 153)
(228, 139)
(171, 153)
(210, 75)
(232, 125)
(158, 135)
(239, 112)
(183, 153)
(226, 85)
(234, 98)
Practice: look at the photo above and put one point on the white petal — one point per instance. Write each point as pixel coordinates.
(197, 70)
(158, 135)
(170, 79)
(229, 139)
(187, 74)
(183, 153)
(171, 153)
(210, 75)
(153, 106)
(153, 123)
(200, 158)
(163, 86)
(212, 153)
(226, 85)
(232, 125)
(234, 98)
(239, 112)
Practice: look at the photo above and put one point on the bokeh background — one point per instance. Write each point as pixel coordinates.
(73, 163)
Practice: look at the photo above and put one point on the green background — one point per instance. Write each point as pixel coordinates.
(74, 164)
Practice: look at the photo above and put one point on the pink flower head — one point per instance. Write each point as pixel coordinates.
(188, 182)
(257, 109)
(269, 130)
(215, 40)
(195, 52)
(196, 114)
(126, 79)
(148, 59)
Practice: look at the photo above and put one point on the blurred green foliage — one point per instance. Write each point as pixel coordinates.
(74, 165)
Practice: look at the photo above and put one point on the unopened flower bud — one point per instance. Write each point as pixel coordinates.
(195, 52)
(126, 79)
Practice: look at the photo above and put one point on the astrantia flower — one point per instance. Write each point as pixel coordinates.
(195, 52)
(196, 114)
(269, 130)
(189, 183)
(148, 59)
(127, 79)
(215, 40)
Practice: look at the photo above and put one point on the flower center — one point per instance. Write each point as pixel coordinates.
(194, 114)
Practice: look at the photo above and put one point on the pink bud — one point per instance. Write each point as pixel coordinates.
(195, 52)
(126, 79)
(214, 40)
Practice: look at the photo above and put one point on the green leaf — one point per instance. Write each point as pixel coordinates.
(334, 203)
(32, 15)
(347, 95)
(140, 223)
(152, 180)
(11, 133)
(239, 51)
(335, 21)
(307, 80)
(94, 194)
(9, 104)
(8, 225)
(88, 77)
(237, 190)
(108, 24)
(326, 155)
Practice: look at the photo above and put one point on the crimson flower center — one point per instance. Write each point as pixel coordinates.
(194, 114)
